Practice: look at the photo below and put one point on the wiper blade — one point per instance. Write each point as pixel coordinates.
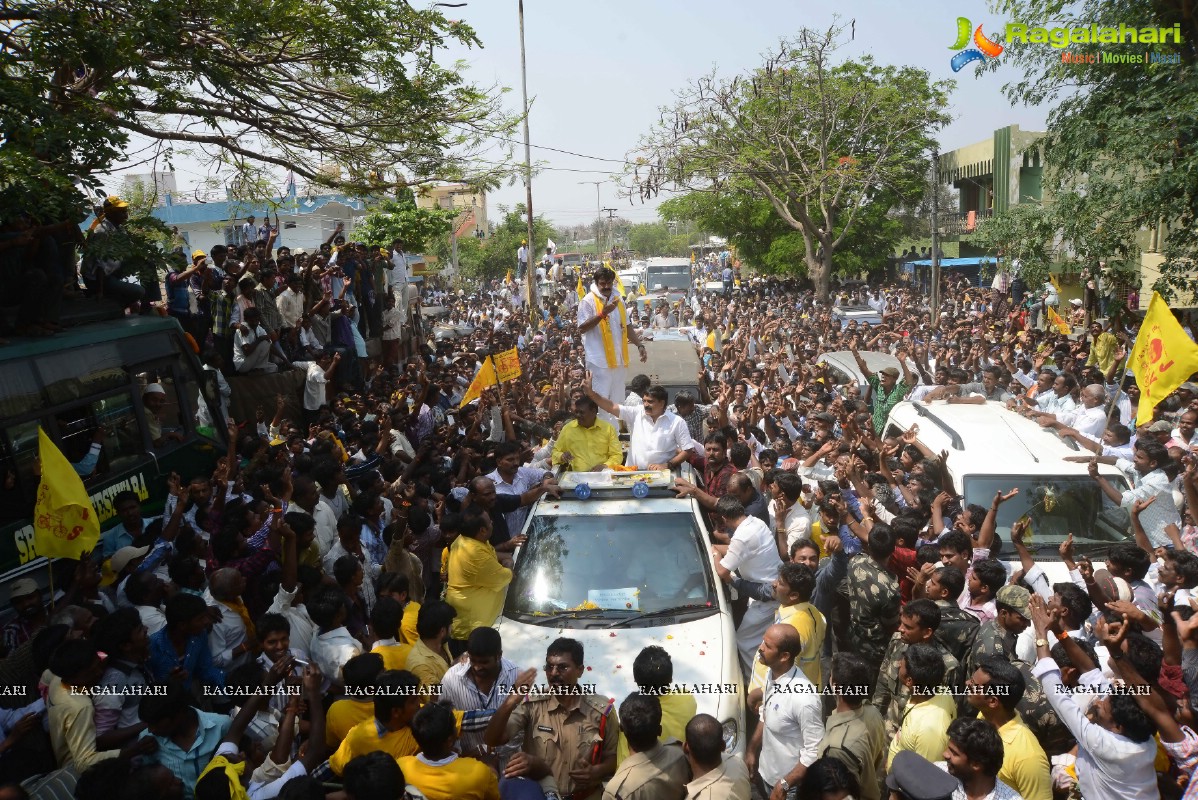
(545, 619)
(664, 612)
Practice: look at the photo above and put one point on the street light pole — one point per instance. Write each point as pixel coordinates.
(598, 211)
(529, 271)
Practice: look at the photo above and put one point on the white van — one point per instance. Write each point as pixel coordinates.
(991, 449)
(618, 573)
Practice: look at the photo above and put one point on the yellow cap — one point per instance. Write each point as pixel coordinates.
(112, 201)
(199, 254)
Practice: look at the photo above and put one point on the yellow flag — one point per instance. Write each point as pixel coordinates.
(619, 285)
(1055, 283)
(1163, 358)
(483, 379)
(65, 524)
(710, 343)
(581, 291)
(692, 256)
(507, 365)
(1055, 319)
(640, 289)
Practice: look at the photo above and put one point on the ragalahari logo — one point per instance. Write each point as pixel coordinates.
(984, 48)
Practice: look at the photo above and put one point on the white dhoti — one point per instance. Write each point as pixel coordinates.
(608, 382)
(751, 631)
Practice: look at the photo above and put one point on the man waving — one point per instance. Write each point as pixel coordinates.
(603, 323)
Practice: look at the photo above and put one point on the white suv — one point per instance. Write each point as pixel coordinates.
(618, 573)
(992, 449)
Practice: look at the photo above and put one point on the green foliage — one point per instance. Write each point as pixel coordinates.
(138, 245)
(1120, 152)
(817, 140)
(498, 254)
(400, 219)
(656, 239)
(1025, 232)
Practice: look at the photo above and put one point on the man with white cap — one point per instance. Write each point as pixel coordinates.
(26, 599)
(154, 399)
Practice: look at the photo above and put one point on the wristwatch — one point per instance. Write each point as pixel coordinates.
(1041, 643)
(785, 786)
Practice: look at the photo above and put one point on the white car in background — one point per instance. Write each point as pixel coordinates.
(991, 449)
(619, 573)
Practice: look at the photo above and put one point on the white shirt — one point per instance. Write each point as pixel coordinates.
(152, 618)
(792, 714)
(291, 307)
(1050, 403)
(326, 529)
(226, 635)
(331, 650)
(753, 552)
(526, 478)
(592, 341)
(302, 626)
(797, 523)
(1109, 766)
(315, 394)
(653, 442)
(1160, 514)
(1090, 422)
(241, 340)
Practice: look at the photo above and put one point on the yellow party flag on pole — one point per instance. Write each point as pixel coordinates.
(65, 524)
(1055, 319)
(640, 289)
(1056, 284)
(620, 285)
(1164, 357)
(581, 291)
(483, 379)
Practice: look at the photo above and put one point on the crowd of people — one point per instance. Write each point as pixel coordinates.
(315, 615)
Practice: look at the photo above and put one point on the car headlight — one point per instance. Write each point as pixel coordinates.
(731, 731)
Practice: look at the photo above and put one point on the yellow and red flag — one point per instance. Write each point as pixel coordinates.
(507, 365)
(65, 524)
(1164, 357)
(1055, 319)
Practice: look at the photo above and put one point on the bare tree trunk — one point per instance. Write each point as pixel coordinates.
(821, 275)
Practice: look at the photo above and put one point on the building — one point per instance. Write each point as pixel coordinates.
(470, 202)
(992, 175)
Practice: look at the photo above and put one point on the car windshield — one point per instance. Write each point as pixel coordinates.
(610, 561)
(668, 280)
(1058, 506)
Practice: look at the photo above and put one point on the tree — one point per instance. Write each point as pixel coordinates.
(1025, 232)
(656, 239)
(346, 94)
(1120, 149)
(819, 141)
(499, 249)
(401, 219)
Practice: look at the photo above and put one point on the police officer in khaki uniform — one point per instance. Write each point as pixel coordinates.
(654, 770)
(569, 735)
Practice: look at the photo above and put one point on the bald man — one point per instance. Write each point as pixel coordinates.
(231, 639)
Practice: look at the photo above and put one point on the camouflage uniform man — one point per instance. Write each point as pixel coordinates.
(918, 623)
(996, 637)
(873, 597)
(958, 628)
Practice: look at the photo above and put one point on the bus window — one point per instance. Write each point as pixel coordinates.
(64, 383)
(123, 446)
(18, 484)
(164, 417)
(21, 394)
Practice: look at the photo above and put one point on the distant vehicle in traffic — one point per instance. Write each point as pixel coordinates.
(859, 314)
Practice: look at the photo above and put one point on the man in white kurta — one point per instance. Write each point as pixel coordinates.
(603, 323)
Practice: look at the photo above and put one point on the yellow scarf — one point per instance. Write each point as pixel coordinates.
(609, 345)
(239, 607)
(233, 773)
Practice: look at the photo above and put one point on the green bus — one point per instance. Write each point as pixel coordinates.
(93, 376)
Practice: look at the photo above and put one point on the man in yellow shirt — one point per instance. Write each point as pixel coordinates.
(929, 710)
(477, 581)
(359, 673)
(384, 620)
(653, 671)
(995, 689)
(1102, 348)
(587, 444)
(438, 772)
(396, 701)
(429, 659)
(792, 589)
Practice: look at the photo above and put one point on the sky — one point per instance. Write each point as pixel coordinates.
(599, 72)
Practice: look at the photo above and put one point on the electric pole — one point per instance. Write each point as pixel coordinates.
(611, 212)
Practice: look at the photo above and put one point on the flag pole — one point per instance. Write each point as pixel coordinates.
(498, 383)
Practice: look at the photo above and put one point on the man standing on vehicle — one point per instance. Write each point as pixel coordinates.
(752, 553)
(603, 323)
(886, 390)
(659, 438)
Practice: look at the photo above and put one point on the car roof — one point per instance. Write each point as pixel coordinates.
(874, 360)
(989, 439)
(672, 361)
